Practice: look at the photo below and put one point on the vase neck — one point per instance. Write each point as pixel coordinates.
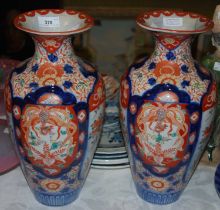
(173, 47)
(53, 49)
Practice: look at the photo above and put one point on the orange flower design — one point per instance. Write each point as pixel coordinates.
(52, 185)
(157, 184)
(49, 74)
(98, 96)
(210, 99)
(162, 133)
(167, 72)
(51, 45)
(50, 137)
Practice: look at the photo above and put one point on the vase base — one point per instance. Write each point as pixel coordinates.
(56, 200)
(157, 198)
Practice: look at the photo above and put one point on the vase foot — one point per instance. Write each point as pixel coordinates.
(56, 200)
(157, 198)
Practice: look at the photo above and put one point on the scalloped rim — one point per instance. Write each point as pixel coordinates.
(140, 20)
(21, 18)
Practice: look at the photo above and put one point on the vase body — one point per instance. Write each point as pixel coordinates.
(55, 104)
(167, 108)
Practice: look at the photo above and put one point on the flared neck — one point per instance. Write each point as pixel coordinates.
(52, 49)
(173, 46)
(173, 30)
(51, 30)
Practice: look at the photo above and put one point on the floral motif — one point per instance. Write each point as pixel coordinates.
(167, 72)
(94, 133)
(49, 74)
(98, 96)
(152, 81)
(162, 133)
(152, 66)
(196, 88)
(167, 184)
(182, 73)
(170, 56)
(20, 83)
(51, 44)
(171, 41)
(64, 73)
(68, 69)
(210, 99)
(82, 116)
(52, 58)
(67, 84)
(139, 81)
(81, 86)
(157, 184)
(49, 136)
(52, 185)
(194, 117)
(16, 112)
(35, 67)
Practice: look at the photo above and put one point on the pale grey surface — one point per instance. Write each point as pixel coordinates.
(111, 190)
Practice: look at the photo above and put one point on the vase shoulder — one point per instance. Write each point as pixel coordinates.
(77, 78)
(169, 71)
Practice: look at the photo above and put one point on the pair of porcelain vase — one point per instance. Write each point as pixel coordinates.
(55, 105)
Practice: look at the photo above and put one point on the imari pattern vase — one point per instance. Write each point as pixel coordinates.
(55, 106)
(167, 107)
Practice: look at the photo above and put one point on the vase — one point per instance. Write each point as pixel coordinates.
(167, 107)
(55, 106)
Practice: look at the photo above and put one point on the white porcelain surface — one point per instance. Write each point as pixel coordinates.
(55, 21)
(174, 21)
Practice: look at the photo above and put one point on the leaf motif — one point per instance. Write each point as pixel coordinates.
(159, 138)
(173, 134)
(54, 146)
(63, 132)
(30, 154)
(70, 150)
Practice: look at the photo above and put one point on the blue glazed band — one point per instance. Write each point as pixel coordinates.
(56, 200)
(157, 198)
